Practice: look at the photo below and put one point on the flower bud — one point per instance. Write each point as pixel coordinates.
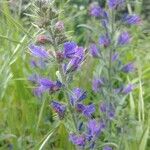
(42, 39)
(59, 26)
(59, 57)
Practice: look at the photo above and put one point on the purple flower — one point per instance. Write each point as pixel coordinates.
(95, 10)
(97, 84)
(105, 17)
(59, 108)
(39, 91)
(80, 107)
(128, 68)
(104, 40)
(78, 140)
(113, 4)
(45, 85)
(79, 55)
(124, 38)
(89, 110)
(73, 65)
(70, 49)
(57, 85)
(77, 95)
(94, 51)
(34, 78)
(115, 56)
(93, 128)
(76, 61)
(132, 19)
(107, 148)
(39, 63)
(38, 51)
(46, 82)
(127, 89)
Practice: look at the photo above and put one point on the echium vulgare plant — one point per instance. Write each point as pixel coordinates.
(89, 126)
(108, 81)
(52, 52)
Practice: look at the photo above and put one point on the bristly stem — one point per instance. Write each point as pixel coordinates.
(110, 63)
(54, 44)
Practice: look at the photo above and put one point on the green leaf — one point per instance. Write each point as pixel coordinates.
(144, 139)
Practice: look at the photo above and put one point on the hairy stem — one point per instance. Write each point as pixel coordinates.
(63, 77)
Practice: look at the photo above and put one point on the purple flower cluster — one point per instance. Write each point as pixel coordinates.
(94, 51)
(38, 51)
(76, 96)
(89, 131)
(97, 84)
(113, 4)
(104, 40)
(88, 110)
(128, 88)
(124, 38)
(75, 56)
(59, 108)
(70, 49)
(72, 55)
(78, 140)
(95, 128)
(92, 131)
(95, 10)
(132, 19)
(45, 85)
(128, 68)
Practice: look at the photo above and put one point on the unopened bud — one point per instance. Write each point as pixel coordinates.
(42, 39)
(59, 26)
(59, 57)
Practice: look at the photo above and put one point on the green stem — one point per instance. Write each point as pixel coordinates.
(110, 64)
(41, 113)
(63, 77)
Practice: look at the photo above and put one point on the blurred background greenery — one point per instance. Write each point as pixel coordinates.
(20, 110)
